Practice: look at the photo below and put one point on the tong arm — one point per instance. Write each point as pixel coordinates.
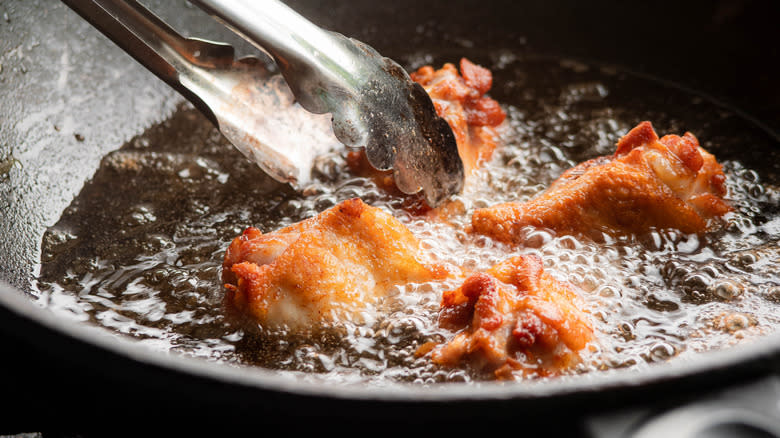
(371, 99)
(153, 43)
(253, 108)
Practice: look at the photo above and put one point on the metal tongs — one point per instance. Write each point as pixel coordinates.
(281, 122)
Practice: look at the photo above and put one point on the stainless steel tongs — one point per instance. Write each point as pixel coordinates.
(281, 122)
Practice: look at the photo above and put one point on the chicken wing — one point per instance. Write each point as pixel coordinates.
(514, 317)
(459, 99)
(670, 182)
(326, 269)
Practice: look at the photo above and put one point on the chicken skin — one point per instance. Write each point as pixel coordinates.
(514, 317)
(460, 99)
(323, 270)
(650, 182)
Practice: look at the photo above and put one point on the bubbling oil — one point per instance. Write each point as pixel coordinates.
(139, 251)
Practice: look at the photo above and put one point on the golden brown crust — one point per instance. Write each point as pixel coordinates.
(649, 183)
(323, 270)
(460, 100)
(514, 317)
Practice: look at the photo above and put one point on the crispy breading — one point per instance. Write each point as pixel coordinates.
(514, 317)
(670, 182)
(326, 269)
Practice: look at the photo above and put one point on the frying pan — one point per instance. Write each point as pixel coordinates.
(68, 96)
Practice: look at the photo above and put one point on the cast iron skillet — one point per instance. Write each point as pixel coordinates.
(68, 96)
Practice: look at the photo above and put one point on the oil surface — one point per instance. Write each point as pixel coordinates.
(139, 251)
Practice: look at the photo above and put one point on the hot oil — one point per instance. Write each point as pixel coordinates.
(139, 251)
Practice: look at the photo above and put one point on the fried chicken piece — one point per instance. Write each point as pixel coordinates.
(323, 270)
(666, 183)
(460, 100)
(514, 317)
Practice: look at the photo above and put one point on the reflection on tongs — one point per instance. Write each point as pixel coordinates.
(283, 122)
